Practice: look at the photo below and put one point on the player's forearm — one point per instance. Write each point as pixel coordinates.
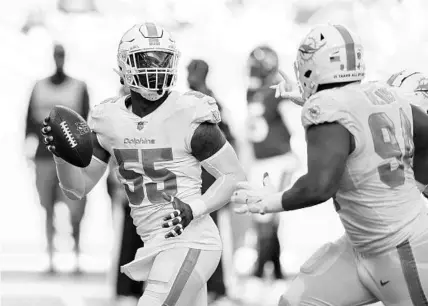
(304, 193)
(71, 179)
(77, 182)
(217, 196)
(226, 169)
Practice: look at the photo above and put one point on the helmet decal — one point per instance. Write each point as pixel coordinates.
(423, 86)
(149, 30)
(351, 61)
(310, 46)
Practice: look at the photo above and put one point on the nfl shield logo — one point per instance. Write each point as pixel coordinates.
(140, 125)
(82, 128)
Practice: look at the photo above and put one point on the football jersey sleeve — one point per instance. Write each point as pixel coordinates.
(324, 108)
(97, 119)
(204, 109)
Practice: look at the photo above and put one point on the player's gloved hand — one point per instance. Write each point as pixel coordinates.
(47, 137)
(284, 90)
(252, 199)
(179, 219)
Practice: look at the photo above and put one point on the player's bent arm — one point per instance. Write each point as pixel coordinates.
(77, 182)
(420, 139)
(217, 156)
(328, 147)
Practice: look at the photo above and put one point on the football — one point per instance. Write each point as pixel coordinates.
(71, 136)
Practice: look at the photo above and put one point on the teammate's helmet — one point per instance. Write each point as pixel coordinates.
(262, 62)
(147, 58)
(328, 54)
(409, 80)
(412, 81)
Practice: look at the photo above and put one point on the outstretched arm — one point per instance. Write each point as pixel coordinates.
(329, 145)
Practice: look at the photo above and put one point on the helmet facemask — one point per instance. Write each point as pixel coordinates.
(150, 73)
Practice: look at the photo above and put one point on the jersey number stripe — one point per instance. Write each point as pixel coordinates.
(133, 163)
(387, 147)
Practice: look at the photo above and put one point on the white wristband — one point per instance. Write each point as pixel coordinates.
(198, 207)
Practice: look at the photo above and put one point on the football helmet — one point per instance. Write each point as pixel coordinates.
(409, 80)
(147, 57)
(262, 62)
(412, 81)
(328, 54)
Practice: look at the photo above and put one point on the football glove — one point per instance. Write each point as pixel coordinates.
(179, 219)
(47, 137)
(284, 90)
(252, 199)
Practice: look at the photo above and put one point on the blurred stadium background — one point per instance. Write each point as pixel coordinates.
(222, 32)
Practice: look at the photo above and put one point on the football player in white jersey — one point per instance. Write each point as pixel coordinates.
(361, 140)
(159, 139)
(416, 84)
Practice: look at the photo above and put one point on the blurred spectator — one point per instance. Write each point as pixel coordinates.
(127, 290)
(58, 89)
(269, 141)
(196, 78)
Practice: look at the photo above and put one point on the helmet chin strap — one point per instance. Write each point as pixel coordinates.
(150, 95)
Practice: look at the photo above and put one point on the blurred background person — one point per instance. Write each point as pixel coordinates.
(127, 291)
(197, 80)
(57, 89)
(269, 137)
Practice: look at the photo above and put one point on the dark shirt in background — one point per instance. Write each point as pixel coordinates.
(46, 94)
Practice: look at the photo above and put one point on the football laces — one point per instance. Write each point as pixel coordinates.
(68, 135)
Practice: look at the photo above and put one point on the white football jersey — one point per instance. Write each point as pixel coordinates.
(378, 201)
(153, 155)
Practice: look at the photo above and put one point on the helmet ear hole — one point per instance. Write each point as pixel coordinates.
(308, 73)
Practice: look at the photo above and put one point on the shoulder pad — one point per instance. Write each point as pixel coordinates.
(110, 100)
(324, 108)
(205, 107)
(98, 112)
